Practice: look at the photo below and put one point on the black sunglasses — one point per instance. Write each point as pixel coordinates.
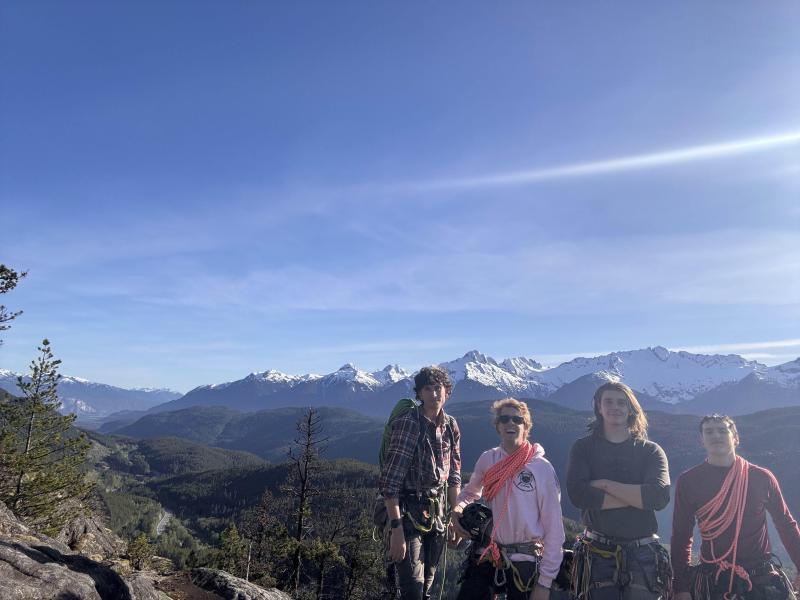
(507, 418)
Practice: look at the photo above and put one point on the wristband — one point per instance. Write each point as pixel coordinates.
(395, 523)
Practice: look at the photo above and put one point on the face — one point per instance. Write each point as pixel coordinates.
(718, 440)
(433, 396)
(614, 408)
(511, 432)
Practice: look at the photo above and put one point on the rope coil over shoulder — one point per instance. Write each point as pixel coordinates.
(499, 476)
(718, 515)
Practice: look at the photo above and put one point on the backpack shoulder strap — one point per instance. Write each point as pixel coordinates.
(449, 420)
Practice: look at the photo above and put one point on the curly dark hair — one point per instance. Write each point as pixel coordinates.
(432, 376)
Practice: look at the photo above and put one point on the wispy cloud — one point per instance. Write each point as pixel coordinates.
(743, 347)
(715, 268)
(649, 160)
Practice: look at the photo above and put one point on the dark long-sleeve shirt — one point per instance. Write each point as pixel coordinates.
(700, 484)
(633, 462)
(439, 461)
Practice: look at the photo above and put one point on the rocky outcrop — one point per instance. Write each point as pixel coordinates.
(36, 567)
(86, 535)
(233, 588)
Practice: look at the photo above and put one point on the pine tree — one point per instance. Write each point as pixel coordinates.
(140, 552)
(41, 456)
(264, 527)
(8, 281)
(231, 551)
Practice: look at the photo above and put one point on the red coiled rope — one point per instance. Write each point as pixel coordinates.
(724, 510)
(498, 476)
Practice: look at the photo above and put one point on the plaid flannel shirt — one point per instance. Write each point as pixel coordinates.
(404, 468)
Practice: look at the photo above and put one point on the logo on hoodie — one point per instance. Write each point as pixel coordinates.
(525, 481)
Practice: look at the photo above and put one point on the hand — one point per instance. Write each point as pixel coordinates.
(397, 545)
(540, 593)
(682, 596)
(599, 483)
(456, 525)
(453, 538)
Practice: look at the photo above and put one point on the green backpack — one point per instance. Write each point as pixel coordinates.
(402, 407)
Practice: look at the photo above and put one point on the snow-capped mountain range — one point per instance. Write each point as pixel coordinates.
(671, 377)
(667, 380)
(89, 399)
(674, 381)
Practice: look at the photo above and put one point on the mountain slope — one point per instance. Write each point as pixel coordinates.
(663, 380)
(91, 400)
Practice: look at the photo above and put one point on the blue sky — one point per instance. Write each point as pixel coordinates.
(204, 189)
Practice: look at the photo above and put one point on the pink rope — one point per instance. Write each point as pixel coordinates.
(500, 475)
(718, 515)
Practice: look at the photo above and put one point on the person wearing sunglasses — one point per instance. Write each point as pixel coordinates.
(523, 553)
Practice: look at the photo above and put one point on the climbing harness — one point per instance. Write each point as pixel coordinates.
(767, 580)
(425, 509)
(499, 476)
(592, 546)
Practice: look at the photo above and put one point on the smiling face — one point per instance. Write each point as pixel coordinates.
(433, 397)
(511, 426)
(614, 408)
(718, 438)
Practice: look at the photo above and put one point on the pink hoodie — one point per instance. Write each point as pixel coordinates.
(534, 508)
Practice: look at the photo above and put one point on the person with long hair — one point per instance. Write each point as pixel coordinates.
(729, 498)
(523, 552)
(619, 479)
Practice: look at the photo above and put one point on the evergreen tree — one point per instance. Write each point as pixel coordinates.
(41, 456)
(231, 551)
(265, 528)
(8, 281)
(140, 552)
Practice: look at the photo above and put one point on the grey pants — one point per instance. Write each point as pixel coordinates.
(418, 568)
(639, 579)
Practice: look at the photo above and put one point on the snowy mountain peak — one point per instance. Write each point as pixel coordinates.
(786, 375)
(349, 374)
(670, 376)
(477, 357)
(72, 379)
(273, 376)
(522, 366)
(660, 352)
(390, 374)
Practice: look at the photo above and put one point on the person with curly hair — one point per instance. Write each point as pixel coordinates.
(420, 478)
(523, 553)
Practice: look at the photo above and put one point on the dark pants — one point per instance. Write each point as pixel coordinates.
(478, 583)
(640, 573)
(769, 583)
(418, 568)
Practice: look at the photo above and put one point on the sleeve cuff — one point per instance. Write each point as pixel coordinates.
(544, 581)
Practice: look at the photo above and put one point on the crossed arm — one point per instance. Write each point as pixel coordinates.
(619, 495)
(604, 494)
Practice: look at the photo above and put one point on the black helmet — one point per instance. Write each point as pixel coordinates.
(476, 520)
